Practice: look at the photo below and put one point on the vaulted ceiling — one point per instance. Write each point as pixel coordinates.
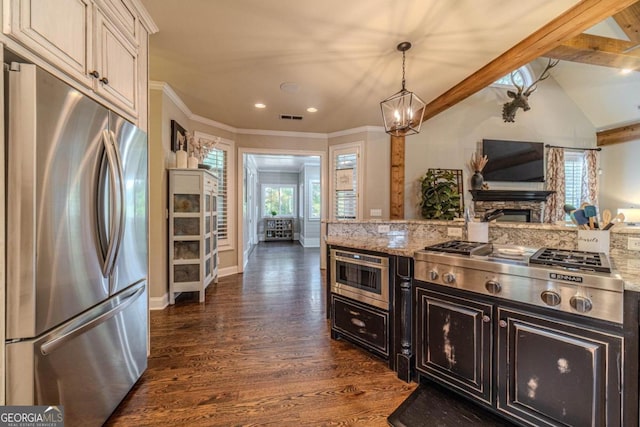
(222, 57)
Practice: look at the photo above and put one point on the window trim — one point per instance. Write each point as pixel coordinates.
(227, 145)
(347, 148)
(574, 157)
(314, 183)
(278, 185)
(527, 75)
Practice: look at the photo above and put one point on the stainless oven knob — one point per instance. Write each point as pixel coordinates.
(550, 298)
(449, 278)
(493, 287)
(580, 304)
(433, 275)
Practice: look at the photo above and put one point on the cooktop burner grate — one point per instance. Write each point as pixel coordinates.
(589, 261)
(455, 247)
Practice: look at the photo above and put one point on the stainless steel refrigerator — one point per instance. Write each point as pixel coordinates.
(76, 249)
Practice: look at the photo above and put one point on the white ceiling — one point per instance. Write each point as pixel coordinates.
(223, 56)
(607, 96)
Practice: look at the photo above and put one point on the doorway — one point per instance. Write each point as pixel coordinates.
(286, 186)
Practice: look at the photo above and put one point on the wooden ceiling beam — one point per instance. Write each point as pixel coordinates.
(583, 15)
(629, 21)
(596, 50)
(630, 132)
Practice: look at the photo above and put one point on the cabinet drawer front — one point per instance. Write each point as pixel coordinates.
(455, 342)
(361, 323)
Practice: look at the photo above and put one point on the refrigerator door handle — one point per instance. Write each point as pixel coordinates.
(122, 204)
(109, 259)
(51, 345)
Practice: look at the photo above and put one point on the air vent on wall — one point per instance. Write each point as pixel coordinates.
(290, 117)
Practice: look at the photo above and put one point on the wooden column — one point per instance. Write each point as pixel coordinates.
(396, 196)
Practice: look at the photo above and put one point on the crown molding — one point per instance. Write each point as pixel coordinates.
(209, 122)
(283, 133)
(145, 17)
(168, 90)
(356, 130)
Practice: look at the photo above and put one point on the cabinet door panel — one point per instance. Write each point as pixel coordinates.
(56, 30)
(555, 374)
(117, 60)
(454, 342)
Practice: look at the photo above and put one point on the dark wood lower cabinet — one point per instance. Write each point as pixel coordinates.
(455, 342)
(366, 325)
(533, 369)
(553, 373)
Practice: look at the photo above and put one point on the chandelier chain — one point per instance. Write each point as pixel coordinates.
(403, 69)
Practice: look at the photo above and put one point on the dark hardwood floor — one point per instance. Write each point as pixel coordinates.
(258, 352)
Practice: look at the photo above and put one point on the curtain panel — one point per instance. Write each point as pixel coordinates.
(554, 208)
(589, 187)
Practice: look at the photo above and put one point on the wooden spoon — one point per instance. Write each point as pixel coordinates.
(606, 218)
(615, 220)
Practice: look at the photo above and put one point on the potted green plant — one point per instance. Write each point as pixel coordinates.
(274, 213)
(440, 197)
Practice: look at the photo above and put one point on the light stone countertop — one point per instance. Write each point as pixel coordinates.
(403, 245)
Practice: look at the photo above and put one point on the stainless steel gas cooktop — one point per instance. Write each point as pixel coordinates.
(570, 281)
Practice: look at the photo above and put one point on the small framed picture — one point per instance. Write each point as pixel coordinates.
(178, 136)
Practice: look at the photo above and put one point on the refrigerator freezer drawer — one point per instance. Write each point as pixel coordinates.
(88, 364)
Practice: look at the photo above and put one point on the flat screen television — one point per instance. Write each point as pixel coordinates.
(513, 161)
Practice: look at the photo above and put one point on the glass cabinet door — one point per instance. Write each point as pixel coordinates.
(186, 203)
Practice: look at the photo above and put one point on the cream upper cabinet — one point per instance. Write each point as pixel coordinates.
(96, 42)
(59, 31)
(116, 61)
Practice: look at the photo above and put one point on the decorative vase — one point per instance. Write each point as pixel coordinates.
(476, 181)
(181, 159)
(192, 162)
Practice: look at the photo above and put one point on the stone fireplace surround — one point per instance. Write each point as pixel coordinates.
(536, 209)
(531, 201)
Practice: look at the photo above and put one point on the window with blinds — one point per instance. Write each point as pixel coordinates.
(573, 164)
(346, 181)
(218, 159)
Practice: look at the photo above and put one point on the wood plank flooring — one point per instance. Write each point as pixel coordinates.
(259, 352)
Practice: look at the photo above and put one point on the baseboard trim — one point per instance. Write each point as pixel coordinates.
(311, 242)
(159, 303)
(228, 271)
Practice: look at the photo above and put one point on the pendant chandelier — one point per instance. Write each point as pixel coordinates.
(402, 112)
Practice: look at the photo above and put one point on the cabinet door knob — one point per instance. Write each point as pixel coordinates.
(502, 323)
(95, 74)
(105, 80)
(486, 319)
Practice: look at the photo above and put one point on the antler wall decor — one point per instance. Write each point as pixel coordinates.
(521, 97)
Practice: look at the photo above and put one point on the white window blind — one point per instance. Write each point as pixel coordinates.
(218, 159)
(346, 185)
(573, 164)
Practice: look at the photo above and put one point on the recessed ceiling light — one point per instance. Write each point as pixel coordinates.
(260, 105)
(312, 109)
(626, 71)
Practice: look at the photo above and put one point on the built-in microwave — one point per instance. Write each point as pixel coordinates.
(361, 277)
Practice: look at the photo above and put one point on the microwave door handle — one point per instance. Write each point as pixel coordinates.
(107, 266)
(121, 198)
